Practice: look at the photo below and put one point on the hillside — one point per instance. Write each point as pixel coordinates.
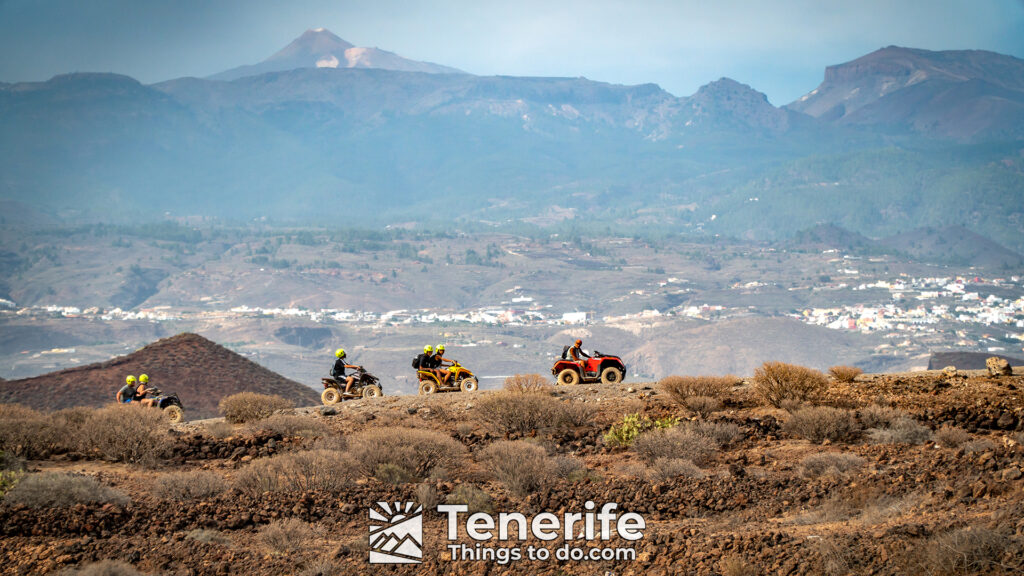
(198, 370)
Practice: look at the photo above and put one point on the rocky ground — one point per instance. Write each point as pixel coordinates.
(936, 502)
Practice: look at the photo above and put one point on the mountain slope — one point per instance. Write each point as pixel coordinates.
(959, 94)
(319, 48)
(198, 370)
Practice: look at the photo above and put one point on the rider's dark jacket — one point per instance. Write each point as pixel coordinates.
(339, 368)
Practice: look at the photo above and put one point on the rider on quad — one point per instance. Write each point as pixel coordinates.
(128, 392)
(142, 390)
(576, 354)
(439, 365)
(338, 371)
(423, 360)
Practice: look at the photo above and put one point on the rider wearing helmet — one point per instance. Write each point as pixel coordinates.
(338, 371)
(128, 392)
(439, 365)
(577, 354)
(423, 360)
(142, 390)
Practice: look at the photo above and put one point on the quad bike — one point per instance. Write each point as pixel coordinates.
(460, 380)
(169, 403)
(598, 368)
(365, 385)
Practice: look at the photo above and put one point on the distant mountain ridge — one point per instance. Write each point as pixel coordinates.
(320, 48)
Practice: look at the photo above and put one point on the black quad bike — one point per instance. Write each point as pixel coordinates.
(169, 403)
(365, 385)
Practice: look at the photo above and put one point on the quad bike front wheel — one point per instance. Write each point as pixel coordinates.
(469, 384)
(174, 413)
(372, 391)
(330, 396)
(611, 375)
(569, 377)
(427, 387)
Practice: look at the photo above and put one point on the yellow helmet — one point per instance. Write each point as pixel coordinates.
(440, 348)
(144, 378)
(339, 353)
(428, 349)
(130, 379)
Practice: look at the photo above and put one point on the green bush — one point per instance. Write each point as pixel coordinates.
(623, 433)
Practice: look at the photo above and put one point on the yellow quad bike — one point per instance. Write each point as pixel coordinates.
(461, 380)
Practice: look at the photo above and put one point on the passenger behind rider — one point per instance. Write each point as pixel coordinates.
(440, 365)
(423, 360)
(128, 392)
(338, 371)
(577, 354)
(142, 390)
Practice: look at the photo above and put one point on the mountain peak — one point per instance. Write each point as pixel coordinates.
(321, 48)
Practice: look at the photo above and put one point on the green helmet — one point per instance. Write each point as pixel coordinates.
(144, 378)
(440, 348)
(130, 379)
(427, 349)
(339, 353)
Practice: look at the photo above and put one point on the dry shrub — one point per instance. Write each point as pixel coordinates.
(735, 564)
(67, 424)
(515, 413)
(830, 464)
(418, 451)
(903, 430)
(951, 436)
(25, 432)
(124, 433)
(666, 469)
(463, 429)
(972, 550)
(521, 466)
(569, 468)
(703, 405)
(188, 486)
(845, 373)
(572, 414)
(820, 423)
(286, 537)
(250, 406)
(219, 430)
(679, 442)
(291, 425)
(722, 433)
(312, 470)
(475, 499)
(875, 416)
(393, 474)
(775, 382)
(833, 559)
(207, 536)
(979, 445)
(528, 383)
(682, 387)
(426, 495)
(321, 567)
(102, 568)
(59, 490)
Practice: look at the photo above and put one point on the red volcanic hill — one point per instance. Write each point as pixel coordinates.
(201, 372)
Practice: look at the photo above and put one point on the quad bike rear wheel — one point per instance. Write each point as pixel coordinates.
(174, 413)
(330, 396)
(372, 391)
(611, 375)
(427, 387)
(469, 384)
(569, 377)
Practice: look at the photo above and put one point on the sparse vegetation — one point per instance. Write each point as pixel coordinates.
(59, 490)
(219, 430)
(103, 568)
(311, 470)
(623, 433)
(286, 537)
(188, 486)
(820, 423)
(681, 442)
(830, 464)
(902, 430)
(666, 469)
(427, 496)
(418, 451)
(250, 406)
(962, 551)
(475, 499)
(705, 406)
(210, 537)
(876, 416)
(682, 388)
(24, 431)
(845, 373)
(520, 413)
(736, 565)
(951, 436)
(528, 383)
(126, 434)
(776, 382)
(520, 466)
(291, 425)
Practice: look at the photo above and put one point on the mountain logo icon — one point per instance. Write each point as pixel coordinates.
(396, 533)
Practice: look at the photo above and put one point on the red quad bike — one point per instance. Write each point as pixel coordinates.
(599, 368)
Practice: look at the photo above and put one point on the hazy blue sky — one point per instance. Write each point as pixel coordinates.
(780, 47)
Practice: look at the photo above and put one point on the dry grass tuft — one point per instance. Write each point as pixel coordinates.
(963, 551)
(416, 450)
(845, 373)
(308, 471)
(286, 537)
(705, 406)
(820, 423)
(951, 436)
(680, 388)
(830, 464)
(189, 486)
(875, 416)
(102, 568)
(776, 382)
(25, 432)
(250, 406)
(475, 499)
(59, 490)
(291, 425)
(528, 383)
(521, 466)
(523, 413)
(903, 430)
(123, 433)
(666, 469)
